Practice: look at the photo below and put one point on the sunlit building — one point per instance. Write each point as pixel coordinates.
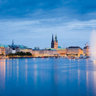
(74, 51)
(44, 53)
(61, 52)
(26, 50)
(2, 51)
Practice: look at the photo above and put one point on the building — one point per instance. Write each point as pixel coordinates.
(54, 42)
(27, 50)
(13, 48)
(74, 51)
(61, 52)
(2, 51)
(44, 53)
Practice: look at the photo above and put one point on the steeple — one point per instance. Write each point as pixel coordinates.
(12, 42)
(52, 42)
(56, 38)
(52, 38)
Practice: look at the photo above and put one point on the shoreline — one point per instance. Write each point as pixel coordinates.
(12, 57)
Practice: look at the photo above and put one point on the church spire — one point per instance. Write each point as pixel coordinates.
(56, 38)
(52, 42)
(12, 42)
(52, 38)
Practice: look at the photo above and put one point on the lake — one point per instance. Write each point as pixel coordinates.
(47, 77)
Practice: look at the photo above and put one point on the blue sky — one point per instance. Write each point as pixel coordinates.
(32, 22)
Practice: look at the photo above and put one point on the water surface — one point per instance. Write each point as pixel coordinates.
(47, 77)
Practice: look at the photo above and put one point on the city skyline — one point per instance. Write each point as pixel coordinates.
(32, 23)
(53, 44)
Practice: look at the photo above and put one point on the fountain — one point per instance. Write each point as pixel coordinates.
(93, 46)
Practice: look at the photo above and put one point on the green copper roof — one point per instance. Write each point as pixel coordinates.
(1, 45)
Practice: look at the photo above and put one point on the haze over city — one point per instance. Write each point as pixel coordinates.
(32, 22)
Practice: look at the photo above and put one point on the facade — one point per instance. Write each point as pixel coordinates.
(54, 42)
(26, 50)
(49, 53)
(10, 50)
(44, 53)
(2, 51)
(61, 52)
(74, 51)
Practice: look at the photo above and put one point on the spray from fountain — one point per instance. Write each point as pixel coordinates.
(93, 46)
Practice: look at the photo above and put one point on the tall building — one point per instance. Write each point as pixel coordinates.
(54, 42)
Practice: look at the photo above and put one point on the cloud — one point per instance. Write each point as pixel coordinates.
(36, 20)
(26, 31)
(36, 9)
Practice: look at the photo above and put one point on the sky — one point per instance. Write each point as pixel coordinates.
(32, 22)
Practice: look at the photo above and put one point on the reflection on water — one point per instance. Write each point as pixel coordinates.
(17, 62)
(47, 77)
(2, 73)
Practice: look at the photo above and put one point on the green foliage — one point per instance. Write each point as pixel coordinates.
(2, 54)
(20, 54)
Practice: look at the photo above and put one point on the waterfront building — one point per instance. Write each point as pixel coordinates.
(13, 48)
(74, 51)
(61, 52)
(8, 50)
(44, 53)
(54, 42)
(2, 51)
(29, 50)
(50, 52)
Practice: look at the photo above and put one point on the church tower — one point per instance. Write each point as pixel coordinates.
(54, 43)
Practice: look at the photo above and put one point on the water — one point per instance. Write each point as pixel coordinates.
(47, 77)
